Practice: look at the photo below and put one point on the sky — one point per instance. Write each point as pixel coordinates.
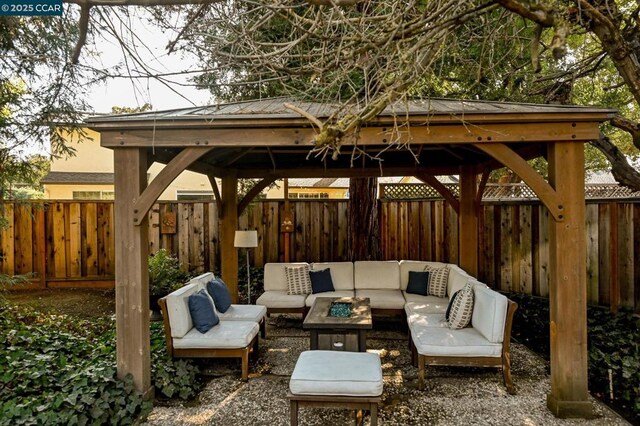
(124, 92)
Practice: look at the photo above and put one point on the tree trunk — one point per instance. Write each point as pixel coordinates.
(364, 228)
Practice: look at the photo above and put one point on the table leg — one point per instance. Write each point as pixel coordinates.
(362, 340)
(314, 340)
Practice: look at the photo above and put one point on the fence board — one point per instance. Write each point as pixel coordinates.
(59, 241)
(593, 271)
(23, 226)
(543, 270)
(625, 254)
(8, 240)
(604, 258)
(74, 238)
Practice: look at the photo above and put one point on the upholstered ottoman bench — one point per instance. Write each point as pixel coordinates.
(331, 379)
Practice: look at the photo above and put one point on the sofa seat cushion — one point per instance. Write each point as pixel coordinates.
(425, 320)
(225, 335)
(337, 373)
(244, 313)
(425, 304)
(343, 293)
(280, 299)
(442, 341)
(383, 299)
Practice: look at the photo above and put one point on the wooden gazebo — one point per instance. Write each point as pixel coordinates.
(263, 139)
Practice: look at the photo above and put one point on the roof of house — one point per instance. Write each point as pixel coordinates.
(69, 178)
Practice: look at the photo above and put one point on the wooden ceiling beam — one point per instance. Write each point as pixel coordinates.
(460, 133)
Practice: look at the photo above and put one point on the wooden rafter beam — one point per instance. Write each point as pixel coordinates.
(442, 190)
(253, 193)
(171, 171)
(519, 166)
(273, 159)
(238, 157)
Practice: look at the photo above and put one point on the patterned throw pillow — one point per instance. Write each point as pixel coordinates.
(461, 308)
(298, 280)
(438, 280)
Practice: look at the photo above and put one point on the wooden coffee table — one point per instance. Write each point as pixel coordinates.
(338, 333)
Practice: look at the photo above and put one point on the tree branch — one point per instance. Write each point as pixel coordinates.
(622, 171)
(628, 126)
(83, 25)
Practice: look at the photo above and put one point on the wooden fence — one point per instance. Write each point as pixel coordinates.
(70, 244)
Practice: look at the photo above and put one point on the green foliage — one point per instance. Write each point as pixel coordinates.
(60, 370)
(257, 281)
(614, 344)
(164, 273)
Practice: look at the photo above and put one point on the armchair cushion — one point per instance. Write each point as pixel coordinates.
(244, 313)
(220, 294)
(202, 312)
(226, 335)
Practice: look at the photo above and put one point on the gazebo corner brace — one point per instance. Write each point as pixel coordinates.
(547, 194)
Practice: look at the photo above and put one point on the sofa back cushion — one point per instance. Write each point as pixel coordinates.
(202, 279)
(458, 278)
(178, 309)
(416, 266)
(489, 312)
(275, 278)
(377, 275)
(341, 273)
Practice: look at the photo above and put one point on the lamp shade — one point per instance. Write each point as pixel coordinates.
(246, 239)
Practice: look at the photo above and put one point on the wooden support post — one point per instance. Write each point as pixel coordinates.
(468, 221)
(569, 395)
(228, 227)
(132, 275)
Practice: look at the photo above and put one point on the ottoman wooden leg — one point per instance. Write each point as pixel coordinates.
(245, 363)
(374, 414)
(293, 413)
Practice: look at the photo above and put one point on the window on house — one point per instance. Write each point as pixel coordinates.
(194, 195)
(309, 195)
(93, 195)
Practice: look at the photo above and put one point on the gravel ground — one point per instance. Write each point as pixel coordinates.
(452, 396)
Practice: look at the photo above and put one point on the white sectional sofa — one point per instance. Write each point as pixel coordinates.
(236, 335)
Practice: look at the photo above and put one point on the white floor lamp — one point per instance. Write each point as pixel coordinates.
(247, 240)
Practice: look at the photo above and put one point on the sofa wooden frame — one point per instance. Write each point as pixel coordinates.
(243, 353)
(504, 361)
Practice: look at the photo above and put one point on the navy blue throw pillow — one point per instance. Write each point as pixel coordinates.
(446, 315)
(220, 294)
(202, 313)
(321, 281)
(418, 283)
